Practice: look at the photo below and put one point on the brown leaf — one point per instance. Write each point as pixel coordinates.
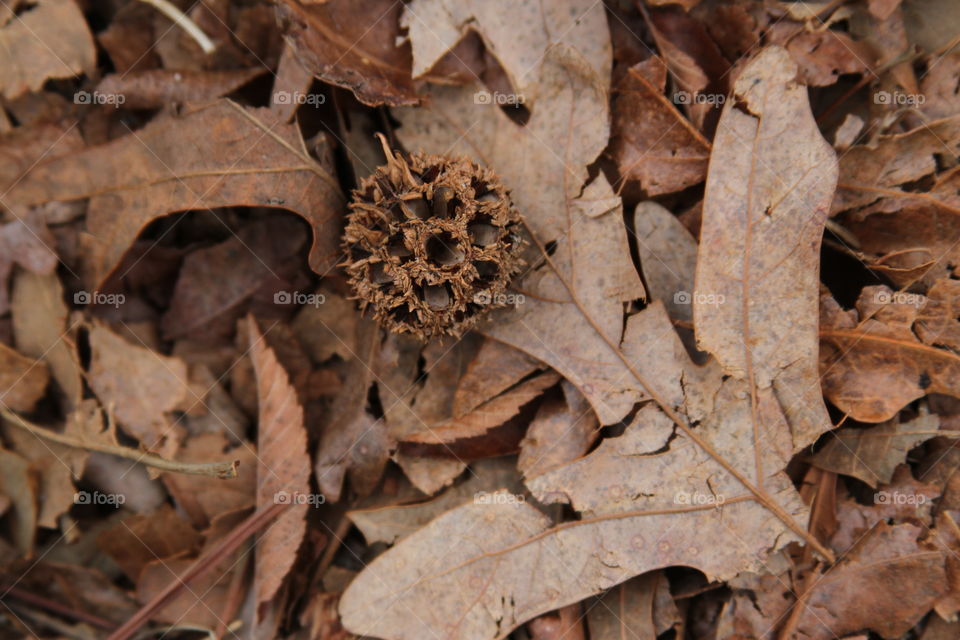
(886, 583)
(283, 469)
(352, 44)
(762, 240)
(23, 380)
(40, 320)
(652, 142)
(352, 439)
(213, 156)
(870, 172)
(138, 540)
(873, 454)
(823, 55)
(158, 88)
(488, 415)
(668, 274)
(871, 360)
(562, 431)
(215, 282)
(48, 39)
(19, 483)
(641, 608)
(494, 369)
(204, 498)
(141, 385)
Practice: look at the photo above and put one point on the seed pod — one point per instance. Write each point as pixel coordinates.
(431, 243)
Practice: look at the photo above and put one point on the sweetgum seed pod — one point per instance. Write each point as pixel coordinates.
(431, 243)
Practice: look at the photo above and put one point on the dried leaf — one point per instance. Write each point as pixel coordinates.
(769, 188)
(49, 39)
(886, 583)
(561, 432)
(141, 385)
(283, 467)
(435, 26)
(393, 523)
(158, 88)
(40, 320)
(138, 540)
(352, 44)
(495, 368)
(23, 380)
(488, 415)
(873, 454)
(871, 360)
(19, 483)
(652, 142)
(217, 155)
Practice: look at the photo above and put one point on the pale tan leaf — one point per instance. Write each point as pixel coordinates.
(769, 188)
(23, 380)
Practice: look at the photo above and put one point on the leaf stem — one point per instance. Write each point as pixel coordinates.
(222, 470)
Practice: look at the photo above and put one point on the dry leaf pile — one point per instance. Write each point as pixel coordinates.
(471, 320)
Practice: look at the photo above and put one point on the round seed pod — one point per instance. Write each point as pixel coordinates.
(431, 243)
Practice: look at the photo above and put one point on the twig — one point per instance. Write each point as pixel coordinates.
(204, 563)
(226, 469)
(53, 606)
(185, 23)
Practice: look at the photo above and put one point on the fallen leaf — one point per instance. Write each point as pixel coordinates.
(48, 39)
(902, 575)
(142, 386)
(283, 467)
(23, 380)
(158, 88)
(562, 431)
(19, 483)
(215, 282)
(668, 275)
(488, 415)
(872, 363)
(40, 326)
(763, 239)
(641, 608)
(201, 159)
(495, 368)
(873, 454)
(435, 26)
(353, 45)
(140, 539)
(651, 141)
(393, 523)
(565, 134)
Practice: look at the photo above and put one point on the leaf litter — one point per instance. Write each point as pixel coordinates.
(712, 395)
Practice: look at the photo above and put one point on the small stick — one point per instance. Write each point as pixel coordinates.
(185, 23)
(53, 606)
(223, 470)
